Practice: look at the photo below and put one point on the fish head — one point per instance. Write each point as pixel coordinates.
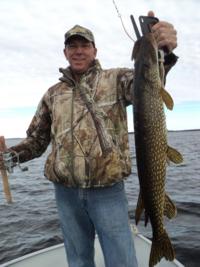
(146, 50)
(145, 54)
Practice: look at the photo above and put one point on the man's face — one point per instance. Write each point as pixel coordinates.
(80, 54)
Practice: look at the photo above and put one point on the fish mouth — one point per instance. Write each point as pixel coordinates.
(146, 48)
(149, 50)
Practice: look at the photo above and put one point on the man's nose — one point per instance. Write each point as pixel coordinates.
(79, 49)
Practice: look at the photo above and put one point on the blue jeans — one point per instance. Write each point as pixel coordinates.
(104, 210)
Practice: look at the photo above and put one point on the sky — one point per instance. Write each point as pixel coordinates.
(31, 52)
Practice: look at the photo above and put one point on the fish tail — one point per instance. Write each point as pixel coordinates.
(161, 247)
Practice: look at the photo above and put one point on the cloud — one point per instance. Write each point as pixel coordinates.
(31, 43)
(15, 121)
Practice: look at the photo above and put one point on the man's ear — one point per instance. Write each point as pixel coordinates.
(65, 53)
(95, 51)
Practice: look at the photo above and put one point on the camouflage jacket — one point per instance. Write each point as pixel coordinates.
(78, 158)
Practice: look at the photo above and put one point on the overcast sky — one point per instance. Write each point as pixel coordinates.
(31, 51)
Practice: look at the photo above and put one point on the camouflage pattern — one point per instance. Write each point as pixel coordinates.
(76, 158)
(63, 119)
(81, 31)
(152, 150)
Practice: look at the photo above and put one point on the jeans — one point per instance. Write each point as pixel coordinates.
(104, 210)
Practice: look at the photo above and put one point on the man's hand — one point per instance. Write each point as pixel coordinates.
(165, 34)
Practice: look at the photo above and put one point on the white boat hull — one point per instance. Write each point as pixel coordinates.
(55, 256)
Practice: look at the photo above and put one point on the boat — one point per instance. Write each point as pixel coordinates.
(55, 255)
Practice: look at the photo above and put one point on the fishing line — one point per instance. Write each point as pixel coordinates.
(120, 17)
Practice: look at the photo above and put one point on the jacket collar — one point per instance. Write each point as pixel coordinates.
(67, 73)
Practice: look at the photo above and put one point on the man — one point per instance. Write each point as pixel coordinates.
(84, 118)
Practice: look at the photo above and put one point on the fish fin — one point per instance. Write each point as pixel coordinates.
(169, 209)
(167, 99)
(139, 208)
(173, 155)
(160, 248)
(168, 161)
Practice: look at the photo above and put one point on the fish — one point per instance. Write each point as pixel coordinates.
(152, 150)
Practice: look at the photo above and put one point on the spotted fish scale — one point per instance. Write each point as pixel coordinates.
(152, 150)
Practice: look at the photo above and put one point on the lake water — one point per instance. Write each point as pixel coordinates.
(31, 222)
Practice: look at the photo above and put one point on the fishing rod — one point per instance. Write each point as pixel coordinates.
(8, 167)
(6, 187)
(120, 17)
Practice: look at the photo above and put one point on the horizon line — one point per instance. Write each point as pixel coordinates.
(130, 132)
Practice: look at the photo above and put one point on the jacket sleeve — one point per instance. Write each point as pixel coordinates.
(125, 85)
(38, 135)
(170, 61)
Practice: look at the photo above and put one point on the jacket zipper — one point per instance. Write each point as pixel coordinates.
(72, 134)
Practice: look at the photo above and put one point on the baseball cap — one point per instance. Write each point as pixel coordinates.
(81, 31)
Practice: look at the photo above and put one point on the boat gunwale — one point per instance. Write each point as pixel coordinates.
(48, 249)
(32, 254)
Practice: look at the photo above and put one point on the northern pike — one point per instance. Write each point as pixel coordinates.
(152, 150)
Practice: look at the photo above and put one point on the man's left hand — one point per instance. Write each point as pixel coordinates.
(165, 34)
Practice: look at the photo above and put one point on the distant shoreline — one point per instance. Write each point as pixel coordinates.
(189, 130)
